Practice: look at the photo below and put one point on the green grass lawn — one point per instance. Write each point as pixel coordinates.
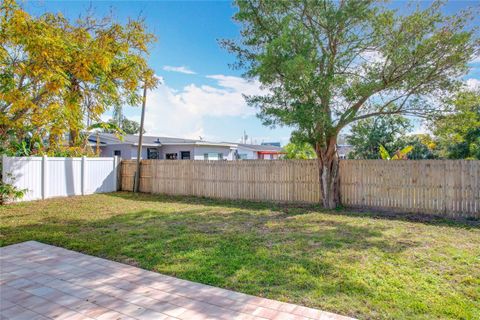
(355, 264)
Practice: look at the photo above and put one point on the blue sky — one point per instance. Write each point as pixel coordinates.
(201, 95)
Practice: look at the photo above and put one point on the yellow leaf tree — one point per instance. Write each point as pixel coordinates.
(58, 77)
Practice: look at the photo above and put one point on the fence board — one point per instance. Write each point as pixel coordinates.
(444, 187)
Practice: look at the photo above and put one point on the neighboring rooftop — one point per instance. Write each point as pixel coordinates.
(258, 147)
(276, 144)
(110, 138)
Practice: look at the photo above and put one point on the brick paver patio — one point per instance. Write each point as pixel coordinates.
(39, 281)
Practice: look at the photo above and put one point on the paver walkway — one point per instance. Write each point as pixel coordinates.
(39, 281)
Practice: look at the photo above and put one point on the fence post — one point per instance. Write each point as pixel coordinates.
(44, 177)
(115, 173)
(4, 171)
(84, 175)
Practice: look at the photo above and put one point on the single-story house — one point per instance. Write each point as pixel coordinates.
(177, 148)
(343, 150)
(255, 151)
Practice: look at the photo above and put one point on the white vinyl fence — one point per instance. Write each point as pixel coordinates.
(45, 177)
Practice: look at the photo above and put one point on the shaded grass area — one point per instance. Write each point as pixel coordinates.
(353, 263)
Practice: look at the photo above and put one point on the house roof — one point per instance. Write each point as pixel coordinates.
(260, 148)
(150, 141)
(110, 138)
(344, 149)
(276, 144)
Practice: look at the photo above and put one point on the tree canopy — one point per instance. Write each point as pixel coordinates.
(367, 135)
(423, 146)
(125, 125)
(300, 150)
(59, 76)
(325, 64)
(458, 133)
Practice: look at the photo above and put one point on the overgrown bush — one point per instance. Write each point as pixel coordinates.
(8, 192)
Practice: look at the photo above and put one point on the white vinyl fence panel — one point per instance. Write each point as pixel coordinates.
(100, 175)
(45, 177)
(63, 177)
(26, 173)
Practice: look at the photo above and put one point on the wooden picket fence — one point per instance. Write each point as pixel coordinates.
(445, 187)
(279, 180)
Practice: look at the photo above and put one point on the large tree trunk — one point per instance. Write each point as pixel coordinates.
(328, 164)
(75, 110)
(74, 137)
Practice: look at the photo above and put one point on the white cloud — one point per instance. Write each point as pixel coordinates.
(180, 113)
(181, 69)
(473, 84)
(237, 83)
(160, 79)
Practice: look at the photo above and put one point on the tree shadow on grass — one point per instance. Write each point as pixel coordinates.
(288, 209)
(280, 254)
(209, 246)
(195, 228)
